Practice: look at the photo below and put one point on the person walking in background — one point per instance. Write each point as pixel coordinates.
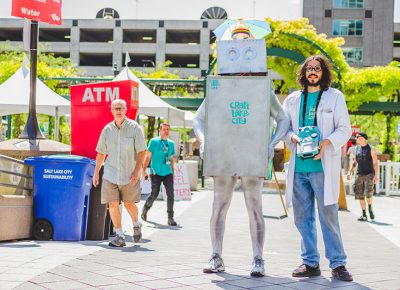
(351, 152)
(367, 174)
(322, 111)
(123, 142)
(161, 151)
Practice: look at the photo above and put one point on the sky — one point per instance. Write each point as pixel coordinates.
(180, 9)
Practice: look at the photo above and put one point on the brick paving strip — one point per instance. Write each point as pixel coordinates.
(173, 258)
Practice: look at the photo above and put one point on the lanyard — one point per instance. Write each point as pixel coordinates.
(165, 146)
(305, 93)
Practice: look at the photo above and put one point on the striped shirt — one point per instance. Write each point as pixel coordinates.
(122, 146)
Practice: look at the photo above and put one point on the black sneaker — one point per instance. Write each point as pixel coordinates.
(371, 214)
(306, 271)
(363, 218)
(172, 222)
(342, 274)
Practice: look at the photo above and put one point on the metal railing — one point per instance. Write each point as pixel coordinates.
(389, 178)
(16, 178)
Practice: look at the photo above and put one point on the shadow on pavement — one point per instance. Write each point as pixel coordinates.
(162, 227)
(275, 217)
(380, 223)
(127, 248)
(283, 282)
(18, 246)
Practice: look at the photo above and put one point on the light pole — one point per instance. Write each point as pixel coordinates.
(31, 130)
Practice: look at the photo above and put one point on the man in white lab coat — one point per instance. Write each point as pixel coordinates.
(314, 173)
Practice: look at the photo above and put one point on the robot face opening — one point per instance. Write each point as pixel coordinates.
(242, 35)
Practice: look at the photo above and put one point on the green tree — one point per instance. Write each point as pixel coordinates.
(359, 85)
(48, 66)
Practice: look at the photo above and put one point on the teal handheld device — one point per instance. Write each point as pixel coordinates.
(309, 137)
(308, 145)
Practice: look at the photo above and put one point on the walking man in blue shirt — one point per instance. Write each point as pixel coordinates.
(161, 151)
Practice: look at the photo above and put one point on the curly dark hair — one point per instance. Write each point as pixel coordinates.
(326, 66)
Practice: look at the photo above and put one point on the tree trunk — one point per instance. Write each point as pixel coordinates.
(151, 121)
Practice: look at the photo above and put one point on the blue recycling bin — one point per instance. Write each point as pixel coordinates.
(61, 196)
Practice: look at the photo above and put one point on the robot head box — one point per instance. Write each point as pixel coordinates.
(242, 54)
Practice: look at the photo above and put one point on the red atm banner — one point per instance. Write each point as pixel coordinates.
(91, 111)
(48, 11)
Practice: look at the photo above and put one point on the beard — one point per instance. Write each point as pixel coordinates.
(313, 84)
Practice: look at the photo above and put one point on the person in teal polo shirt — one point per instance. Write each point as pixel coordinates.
(161, 151)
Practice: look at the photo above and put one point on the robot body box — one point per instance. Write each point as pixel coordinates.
(241, 56)
(237, 126)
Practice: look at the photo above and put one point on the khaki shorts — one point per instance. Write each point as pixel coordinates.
(113, 192)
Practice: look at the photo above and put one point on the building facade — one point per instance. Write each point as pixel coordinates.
(366, 25)
(98, 46)
(396, 42)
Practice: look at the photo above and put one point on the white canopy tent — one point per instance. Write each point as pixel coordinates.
(189, 116)
(14, 96)
(151, 105)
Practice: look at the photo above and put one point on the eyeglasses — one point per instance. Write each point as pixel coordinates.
(118, 109)
(316, 68)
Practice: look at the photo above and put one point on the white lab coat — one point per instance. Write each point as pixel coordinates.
(334, 124)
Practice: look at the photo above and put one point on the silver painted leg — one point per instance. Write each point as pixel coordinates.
(252, 194)
(223, 190)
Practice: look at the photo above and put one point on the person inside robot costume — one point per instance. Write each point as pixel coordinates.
(224, 187)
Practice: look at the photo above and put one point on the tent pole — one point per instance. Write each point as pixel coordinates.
(184, 140)
(56, 125)
(9, 121)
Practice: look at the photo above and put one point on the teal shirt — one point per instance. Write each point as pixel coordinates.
(161, 152)
(308, 165)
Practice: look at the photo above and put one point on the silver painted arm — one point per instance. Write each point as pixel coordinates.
(199, 125)
(282, 120)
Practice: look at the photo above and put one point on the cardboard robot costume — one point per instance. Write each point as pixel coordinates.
(235, 107)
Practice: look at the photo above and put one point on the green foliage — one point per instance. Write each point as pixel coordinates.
(18, 123)
(65, 131)
(359, 85)
(162, 71)
(283, 36)
(48, 66)
(364, 85)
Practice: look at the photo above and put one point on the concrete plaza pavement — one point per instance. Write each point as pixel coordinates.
(173, 258)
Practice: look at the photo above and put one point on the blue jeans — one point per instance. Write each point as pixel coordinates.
(306, 188)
